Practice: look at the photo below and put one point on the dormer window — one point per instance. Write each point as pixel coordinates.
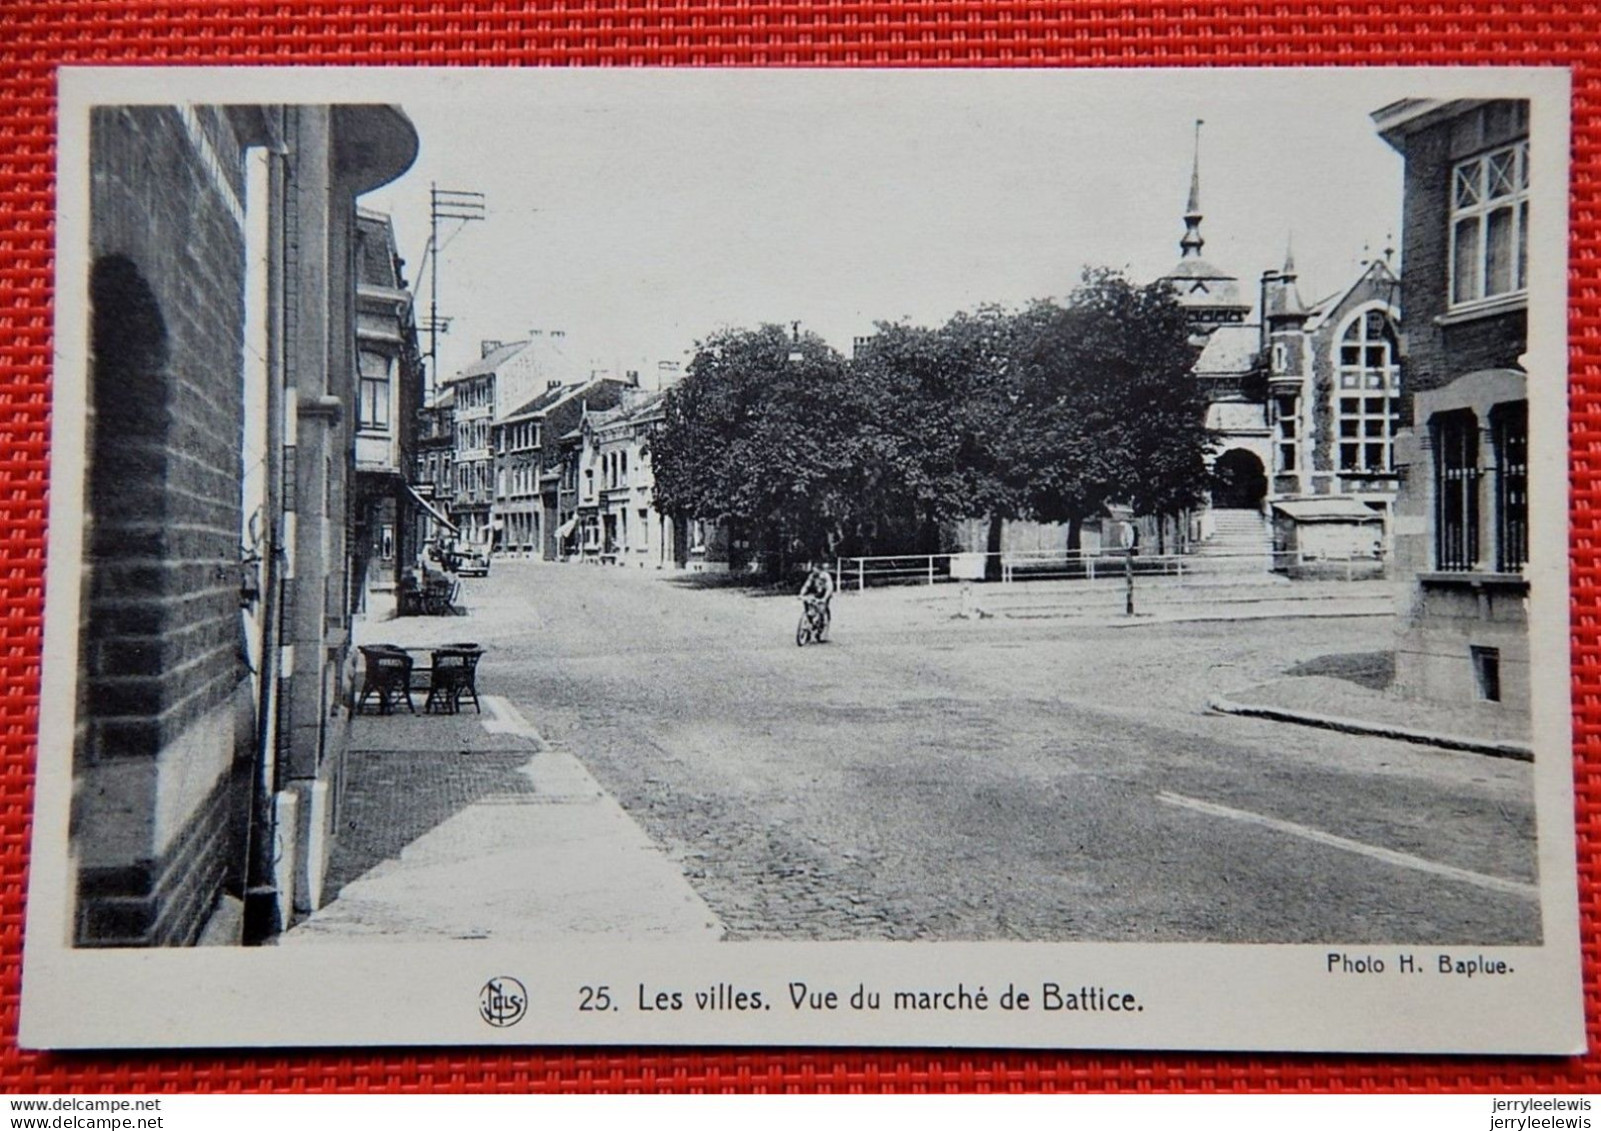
(1490, 224)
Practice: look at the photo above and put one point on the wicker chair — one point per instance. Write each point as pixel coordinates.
(439, 596)
(387, 674)
(455, 674)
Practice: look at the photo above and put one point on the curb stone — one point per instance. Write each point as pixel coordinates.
(1496, 748)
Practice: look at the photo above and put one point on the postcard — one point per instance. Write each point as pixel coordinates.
(1035, 559)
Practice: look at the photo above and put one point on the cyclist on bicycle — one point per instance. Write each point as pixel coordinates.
(818, 593)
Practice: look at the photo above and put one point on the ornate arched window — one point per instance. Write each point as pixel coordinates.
(1367, 396)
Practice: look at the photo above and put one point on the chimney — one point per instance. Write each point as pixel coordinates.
(489, 346)
(1270, 285)
(553, 383)
(633, 377)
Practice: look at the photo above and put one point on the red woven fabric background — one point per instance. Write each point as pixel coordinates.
(37, 35)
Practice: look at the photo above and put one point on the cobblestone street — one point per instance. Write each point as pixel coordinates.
(922, 777)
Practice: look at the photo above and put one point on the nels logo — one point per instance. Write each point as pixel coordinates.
(502, 1001)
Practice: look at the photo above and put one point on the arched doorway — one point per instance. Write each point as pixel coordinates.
(1239, 481)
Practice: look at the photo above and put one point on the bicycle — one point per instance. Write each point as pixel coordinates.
(813, 626)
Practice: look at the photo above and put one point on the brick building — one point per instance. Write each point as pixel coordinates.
(435, 478)
(552, 420)
(1463, 512)
(216, 578)
(559, 494)
(1303, 402)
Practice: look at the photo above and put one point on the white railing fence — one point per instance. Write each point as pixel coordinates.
(1007, 567)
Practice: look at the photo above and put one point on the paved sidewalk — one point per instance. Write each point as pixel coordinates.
(471, 826)
(1339, 704)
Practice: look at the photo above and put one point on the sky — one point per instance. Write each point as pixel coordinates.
(641, 211)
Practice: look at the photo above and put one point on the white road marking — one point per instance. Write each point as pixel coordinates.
(506, 719)
(1388, 856)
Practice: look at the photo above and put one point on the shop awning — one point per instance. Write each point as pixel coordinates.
(431, 509)
(567, 527)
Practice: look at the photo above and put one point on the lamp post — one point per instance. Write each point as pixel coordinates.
(1127, 541)
(1128, 578)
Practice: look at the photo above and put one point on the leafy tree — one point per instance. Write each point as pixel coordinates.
(760, 434)
(1050, 412)
(935, 410)
(1110, 409)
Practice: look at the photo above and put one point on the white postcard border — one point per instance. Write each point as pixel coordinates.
(1195, 996)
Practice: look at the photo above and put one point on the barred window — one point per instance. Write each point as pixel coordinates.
(1510, 424)
(1456, 502)
(1490, 224)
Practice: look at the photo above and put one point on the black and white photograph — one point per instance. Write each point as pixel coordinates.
(1010, 558)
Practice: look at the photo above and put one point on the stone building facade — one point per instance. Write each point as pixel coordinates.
(215, 586)
(492, 400)
(617, 519)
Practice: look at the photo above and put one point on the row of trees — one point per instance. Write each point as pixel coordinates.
(1049, 412)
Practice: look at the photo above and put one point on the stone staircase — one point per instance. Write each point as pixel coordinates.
(1241, 542)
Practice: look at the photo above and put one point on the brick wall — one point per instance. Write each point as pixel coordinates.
(162, 900)
(1436, 354)
(160, 666)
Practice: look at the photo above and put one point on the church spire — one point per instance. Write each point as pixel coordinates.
(1192, 242)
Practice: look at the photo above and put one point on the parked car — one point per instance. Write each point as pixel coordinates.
(472, 559)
